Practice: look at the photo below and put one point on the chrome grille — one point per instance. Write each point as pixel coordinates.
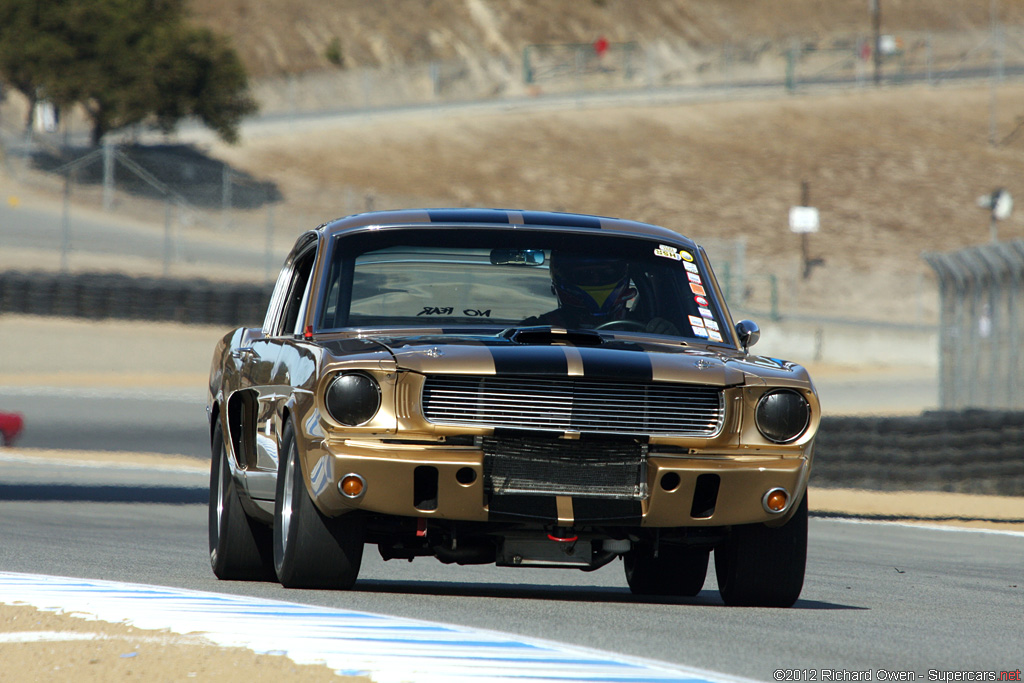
(574, 404)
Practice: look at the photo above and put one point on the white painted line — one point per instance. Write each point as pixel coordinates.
(914, 525)
(387, 649)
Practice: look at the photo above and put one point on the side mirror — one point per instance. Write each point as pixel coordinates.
(748, 333)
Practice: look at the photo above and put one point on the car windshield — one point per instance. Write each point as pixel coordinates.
(459, 277)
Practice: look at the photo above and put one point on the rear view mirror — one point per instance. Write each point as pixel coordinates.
(517, 257)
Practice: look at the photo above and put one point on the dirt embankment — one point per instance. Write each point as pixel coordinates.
(290, 36)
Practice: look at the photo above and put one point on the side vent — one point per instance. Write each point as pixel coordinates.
(705, 496)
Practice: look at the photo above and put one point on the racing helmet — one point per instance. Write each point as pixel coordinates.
(594, 285)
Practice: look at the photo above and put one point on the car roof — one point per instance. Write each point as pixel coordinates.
(497, 218)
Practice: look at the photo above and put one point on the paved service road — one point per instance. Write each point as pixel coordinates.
(876, 597)
(169, 421)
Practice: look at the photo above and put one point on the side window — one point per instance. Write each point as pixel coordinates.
(297, 293)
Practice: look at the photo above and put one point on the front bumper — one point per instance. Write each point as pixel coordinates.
(445, 482)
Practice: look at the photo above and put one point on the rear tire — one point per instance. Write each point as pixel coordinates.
(240, 547)
(760, 566)
(310, 549)
(677, 570)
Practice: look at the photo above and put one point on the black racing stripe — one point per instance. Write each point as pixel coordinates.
(602, 510)
(565, 220)
(468, 216)
(633, 366)
(513, 507)
(529, 360)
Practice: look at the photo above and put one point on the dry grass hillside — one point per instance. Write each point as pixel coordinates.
(894, 172)
(288, 36)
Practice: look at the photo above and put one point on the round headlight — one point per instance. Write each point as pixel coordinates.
(353, 398)
(782, 415)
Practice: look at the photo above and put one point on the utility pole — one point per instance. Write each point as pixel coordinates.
(876, 27)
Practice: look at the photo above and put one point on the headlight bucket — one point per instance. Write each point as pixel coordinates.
(782, 415)
(352, 398)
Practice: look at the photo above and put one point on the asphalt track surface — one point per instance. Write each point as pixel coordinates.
(877, 597)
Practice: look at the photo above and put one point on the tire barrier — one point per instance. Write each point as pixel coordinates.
(969, 451)
(112, 295)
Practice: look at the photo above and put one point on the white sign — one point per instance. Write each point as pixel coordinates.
(803, 219)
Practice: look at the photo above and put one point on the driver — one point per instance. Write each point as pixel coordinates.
(591, 291)
(594, 292)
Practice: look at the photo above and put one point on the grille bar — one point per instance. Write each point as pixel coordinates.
(574, 404)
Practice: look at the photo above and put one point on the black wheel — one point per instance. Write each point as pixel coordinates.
(310, 549)
(675, 571)
(240, 547)
(759, 566)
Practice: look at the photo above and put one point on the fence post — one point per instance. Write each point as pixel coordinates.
(65, 223)
(108, 175)
(268, 265)
(167, 236)
(773, 283)
(225, 196)
(791, 58)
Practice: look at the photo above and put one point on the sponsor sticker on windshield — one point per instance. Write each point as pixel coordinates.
(701, 332)
(695, 321)
(694, 278)
(714, 336)
(697, 289)
(665, 251)
(692, 267)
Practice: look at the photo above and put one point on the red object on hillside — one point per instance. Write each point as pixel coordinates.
(11, 425)
(601, 46)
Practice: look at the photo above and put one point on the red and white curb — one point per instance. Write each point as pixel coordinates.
(387, 649)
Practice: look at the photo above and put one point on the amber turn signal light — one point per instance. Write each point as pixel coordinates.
(352, 485)
(775, 500)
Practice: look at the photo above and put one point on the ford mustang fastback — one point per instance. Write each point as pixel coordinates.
(520, 388)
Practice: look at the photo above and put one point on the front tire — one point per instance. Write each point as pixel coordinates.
(760, 566)
(310, 549)
(677, 570)
(240, 547)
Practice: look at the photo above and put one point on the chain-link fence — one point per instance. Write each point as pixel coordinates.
(981, 362)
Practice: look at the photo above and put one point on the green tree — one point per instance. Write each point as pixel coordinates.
(124, 62)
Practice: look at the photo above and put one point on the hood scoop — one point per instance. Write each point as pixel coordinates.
(546, 335)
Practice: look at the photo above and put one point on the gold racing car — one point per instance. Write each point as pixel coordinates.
(520, 388)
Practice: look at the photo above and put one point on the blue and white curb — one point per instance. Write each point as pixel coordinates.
(387, 649)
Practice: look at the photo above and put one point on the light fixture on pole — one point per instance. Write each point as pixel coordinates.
(999, 204)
